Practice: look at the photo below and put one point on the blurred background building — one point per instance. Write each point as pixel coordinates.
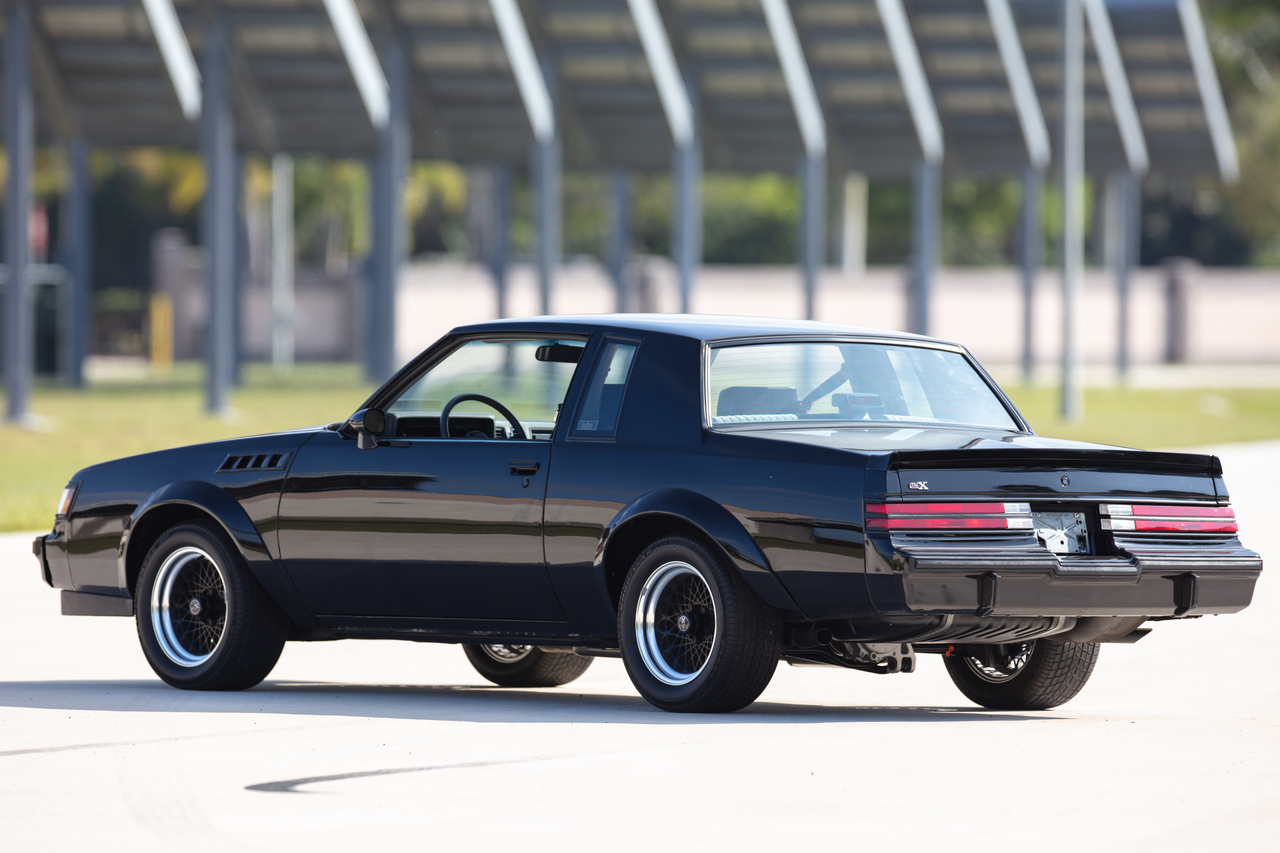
(329, 179)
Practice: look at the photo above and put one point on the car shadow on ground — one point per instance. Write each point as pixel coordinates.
(451, 703)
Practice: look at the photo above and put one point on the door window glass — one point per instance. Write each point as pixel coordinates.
(602, 402)
(528, 377)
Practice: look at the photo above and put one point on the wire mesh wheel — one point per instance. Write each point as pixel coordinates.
(189, 606)
(675, 623)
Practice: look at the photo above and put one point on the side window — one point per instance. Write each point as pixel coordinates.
(602, 400)
(529, 378)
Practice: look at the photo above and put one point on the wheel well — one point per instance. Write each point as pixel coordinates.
(629, 540)
(149, 529)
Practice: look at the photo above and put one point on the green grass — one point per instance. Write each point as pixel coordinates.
(110, 420)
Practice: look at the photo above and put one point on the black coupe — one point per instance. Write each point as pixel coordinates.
(701, 496)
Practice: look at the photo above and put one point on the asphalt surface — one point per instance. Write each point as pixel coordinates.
(1175, 742)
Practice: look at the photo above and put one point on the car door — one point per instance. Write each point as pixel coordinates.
(429, 526)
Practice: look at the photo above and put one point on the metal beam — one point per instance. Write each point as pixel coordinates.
(1030, 242)
(500, 246)
(1118, 92)
(19, 144)
(662, 65)
(1035, 135)
(795, 73)
(390, 170)
(686, 218)
(1215, 109)
(218, 219)
(77, 255)
(915, 85)
(361, 60)
(1071, 150)
(534, 91)
(926, 212)
(176, 53)
(545, 168)
(619, 247)
(853, 225)
(282, 302)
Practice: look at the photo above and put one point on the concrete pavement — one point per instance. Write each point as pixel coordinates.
(1173, 745)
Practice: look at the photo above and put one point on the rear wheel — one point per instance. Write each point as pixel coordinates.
(1031, 676)
(525, 666)
(204, 621)
(694, 637)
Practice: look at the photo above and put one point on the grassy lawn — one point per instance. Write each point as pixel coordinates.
(118, 419)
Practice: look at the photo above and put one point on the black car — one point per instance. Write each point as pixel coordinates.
(701, 496)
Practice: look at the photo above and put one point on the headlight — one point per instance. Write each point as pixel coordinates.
(68, 496)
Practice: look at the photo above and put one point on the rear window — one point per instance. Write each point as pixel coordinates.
(859, 382)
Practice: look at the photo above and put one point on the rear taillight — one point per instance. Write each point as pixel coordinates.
(949, 516)
(1149, 518)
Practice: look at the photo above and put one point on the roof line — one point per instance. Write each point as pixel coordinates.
(795, 73)
(371, 82)
(1215, 110)
(1122, 106)
(176, 53)
(662, 65)
(906, 56)
(1034, 131)
(524, 65)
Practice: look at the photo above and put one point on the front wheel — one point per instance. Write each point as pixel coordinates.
(1031, 676)
(694, 637)
(204, 621)
(525, 666)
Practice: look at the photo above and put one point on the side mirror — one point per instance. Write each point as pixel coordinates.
(367, 423)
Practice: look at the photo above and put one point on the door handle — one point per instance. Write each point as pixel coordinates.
(525, 468)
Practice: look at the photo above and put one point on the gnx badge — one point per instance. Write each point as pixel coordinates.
(922, 486)
(1066, 481)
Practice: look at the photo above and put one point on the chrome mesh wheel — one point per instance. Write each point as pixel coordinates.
(189, 606)
(997, 664)
(506, 653)
(675, 623)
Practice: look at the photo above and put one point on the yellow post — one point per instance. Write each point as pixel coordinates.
(161, 333)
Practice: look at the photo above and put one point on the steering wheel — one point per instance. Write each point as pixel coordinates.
(516, 430)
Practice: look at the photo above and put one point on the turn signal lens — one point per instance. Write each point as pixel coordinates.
(64, 503)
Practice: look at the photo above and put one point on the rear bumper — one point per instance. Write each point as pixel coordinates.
(1035, 585)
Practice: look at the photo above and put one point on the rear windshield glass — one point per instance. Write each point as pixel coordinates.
(861, 382)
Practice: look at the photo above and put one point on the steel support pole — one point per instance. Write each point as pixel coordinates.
(499, 253)
(813, 231)
(390, 170)
(282, 331)
(1129, 225)
(926, 213)
(77, 252)
(1030, 243)
(241, 272)
(1071, 151)
(853, 225)
(619, 240)
(686, 221)
(218, 218)
(545, 173)
(19, 143)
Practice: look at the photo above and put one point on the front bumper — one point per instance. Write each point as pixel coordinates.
(994, 584)
(37, 548)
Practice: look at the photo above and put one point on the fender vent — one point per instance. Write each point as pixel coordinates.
(254, 462)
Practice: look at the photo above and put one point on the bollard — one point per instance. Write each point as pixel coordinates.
(1177, 275)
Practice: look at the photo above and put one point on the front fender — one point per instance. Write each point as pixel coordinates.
(718, 525)
(235, 522)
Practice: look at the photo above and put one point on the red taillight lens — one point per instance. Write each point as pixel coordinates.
(949, 516)
(1152, 518)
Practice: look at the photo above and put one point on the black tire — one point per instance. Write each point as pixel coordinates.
(229, 634)
(694, 636)
(525, 666)
(1031, 676)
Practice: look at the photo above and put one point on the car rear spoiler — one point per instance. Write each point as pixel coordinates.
(1058, 457)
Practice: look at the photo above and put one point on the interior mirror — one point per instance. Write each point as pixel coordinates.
(559, 353)
(368, 423)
